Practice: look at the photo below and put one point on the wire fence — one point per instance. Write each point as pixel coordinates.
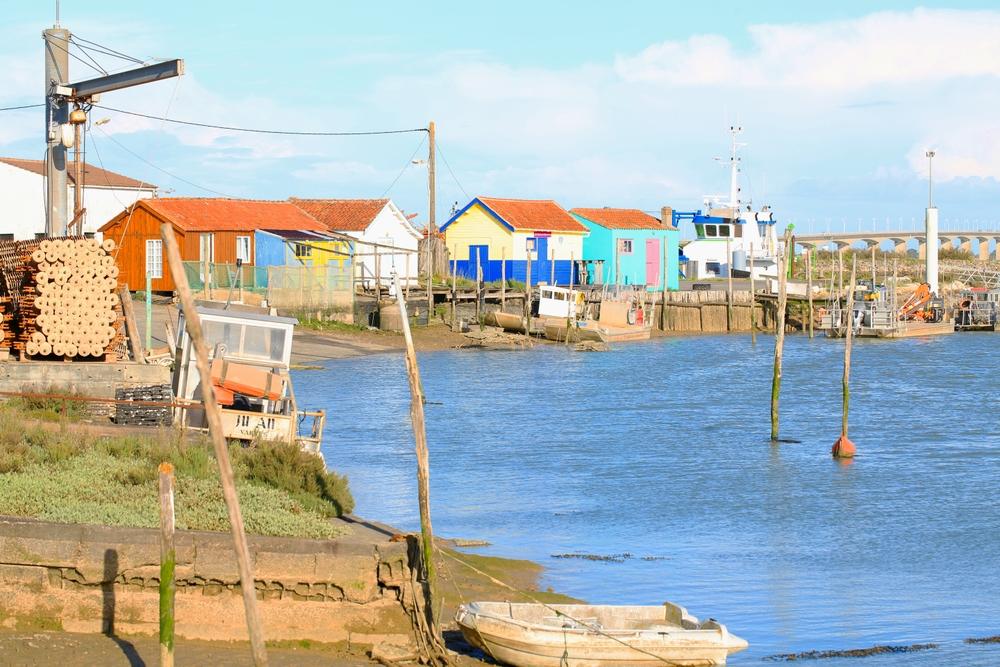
(326, 286)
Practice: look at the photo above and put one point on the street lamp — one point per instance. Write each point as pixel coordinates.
(930, 177)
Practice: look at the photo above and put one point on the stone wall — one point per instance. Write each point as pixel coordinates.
(99, 579)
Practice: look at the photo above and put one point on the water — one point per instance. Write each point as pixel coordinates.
(661, 449)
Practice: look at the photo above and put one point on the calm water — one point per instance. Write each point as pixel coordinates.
(660, 449)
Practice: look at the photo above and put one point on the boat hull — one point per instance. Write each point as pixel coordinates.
(523, 644)
(590, 330)
(507, 321)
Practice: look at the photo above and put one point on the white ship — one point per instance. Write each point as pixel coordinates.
(732, 225)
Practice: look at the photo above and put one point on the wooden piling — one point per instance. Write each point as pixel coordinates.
(779, 337)
(503, 278)
(423, 470)
(753, 303)
(571, 307)
(192, 323)
(168, 565)
(131, 326)
(454, 295)
(552, 266)
(663, 290)
(479, 294)
(527, 297)
(809, 287)
(729, 286)
(843, 448)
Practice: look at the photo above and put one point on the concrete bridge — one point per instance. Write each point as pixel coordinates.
(950, 240)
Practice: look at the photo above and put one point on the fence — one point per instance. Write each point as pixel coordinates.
(327, 286)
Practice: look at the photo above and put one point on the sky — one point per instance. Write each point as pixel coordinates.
(620, 104)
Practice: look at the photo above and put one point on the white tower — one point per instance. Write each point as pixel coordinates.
(931, 231)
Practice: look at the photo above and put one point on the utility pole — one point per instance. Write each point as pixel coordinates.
(60, 95)
(56, 41)
(431, 218)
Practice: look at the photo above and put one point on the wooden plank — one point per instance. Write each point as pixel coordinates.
(131, 327)
(168, 565)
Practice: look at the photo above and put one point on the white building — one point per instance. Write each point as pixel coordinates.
(373, 221)
(22, 197)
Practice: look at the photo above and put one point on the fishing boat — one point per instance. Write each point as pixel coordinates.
(542, 635)
(512, 322)
(729, 232)
(978, 309)
(876, 315)
(623, 315)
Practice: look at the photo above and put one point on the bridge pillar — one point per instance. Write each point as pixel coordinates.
(947, 244)
(995, 255)
(966, 245)
(983, 248)
(899, 246)
(842, 246)
(922, 248)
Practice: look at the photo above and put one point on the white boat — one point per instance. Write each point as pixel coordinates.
(732, 225)
(624, 315)
(558, 635)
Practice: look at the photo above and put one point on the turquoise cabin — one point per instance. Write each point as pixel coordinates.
(628, 246)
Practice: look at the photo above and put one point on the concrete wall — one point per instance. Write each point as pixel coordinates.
(98, 579)
(95, 379)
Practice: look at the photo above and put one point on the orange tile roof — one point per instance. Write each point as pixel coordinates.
(209, 214)
(342, 215)
(620, 218)
(92, 176)
(541, 215)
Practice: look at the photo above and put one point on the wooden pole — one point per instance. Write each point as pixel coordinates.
(193, 324)
(809, 287)
(729, 288)
(408, 275)
(663, 288)
(206, 269)
(552, 266)
(454, 295)
(753, 303)
(527, 296)
(431, 213)
(423, 466)
(843, 448)
(479, 293)
(571, 305)
(503, 278)
(131, 325)
(149, 310)
(168, 565)
(779, 338)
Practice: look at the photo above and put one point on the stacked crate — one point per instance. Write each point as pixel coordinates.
(144, 415)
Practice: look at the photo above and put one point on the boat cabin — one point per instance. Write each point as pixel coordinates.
(558, 302)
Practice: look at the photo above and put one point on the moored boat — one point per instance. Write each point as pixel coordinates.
(542, 635)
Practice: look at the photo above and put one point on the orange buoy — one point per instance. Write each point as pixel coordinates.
(843, 448)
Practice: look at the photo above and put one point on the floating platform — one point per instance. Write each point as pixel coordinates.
(901, 330)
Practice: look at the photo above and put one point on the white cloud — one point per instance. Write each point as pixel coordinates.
(885, 48)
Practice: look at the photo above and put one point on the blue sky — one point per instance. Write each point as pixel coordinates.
(588, 103)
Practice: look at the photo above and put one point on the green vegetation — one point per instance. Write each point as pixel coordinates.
(47, 409)
(329, 325)
(69, 476)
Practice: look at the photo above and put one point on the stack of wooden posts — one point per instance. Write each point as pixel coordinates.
(6, 325)
(68, 304)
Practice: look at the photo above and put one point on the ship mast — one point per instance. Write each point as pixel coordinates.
(734, 169)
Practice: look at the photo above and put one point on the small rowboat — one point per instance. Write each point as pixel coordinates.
(506, 321)
(537, 635)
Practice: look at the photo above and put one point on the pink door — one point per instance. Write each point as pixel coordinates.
(652, 261)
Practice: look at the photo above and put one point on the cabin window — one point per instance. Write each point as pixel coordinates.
(739, 231)
(6, 237)
(711, 231)
(724, 230)
(243, 249)
(154, 258)
(303, 250)
(626, 246)
(699, 230)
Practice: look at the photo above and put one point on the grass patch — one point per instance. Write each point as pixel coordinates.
(48, 409)
(330, 325)
(68, 477)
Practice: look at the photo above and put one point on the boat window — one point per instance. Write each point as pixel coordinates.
(739, 231)
(699, 230)
(710, 230)
(723, 230)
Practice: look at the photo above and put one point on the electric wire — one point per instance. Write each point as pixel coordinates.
(89, 57)
(405, 166)
(454, 178)
(76, 57)
(228, 128)
(105, 49)
(23, 106)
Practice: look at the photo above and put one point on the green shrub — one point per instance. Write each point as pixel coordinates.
(303, 475)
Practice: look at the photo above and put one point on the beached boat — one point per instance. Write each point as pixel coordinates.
(624, 315)
(537, 635)
(512, 322)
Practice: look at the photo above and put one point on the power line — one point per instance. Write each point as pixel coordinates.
(261, 131)
(455, 178)
(405, 166)
(108, 51)
(23, 106)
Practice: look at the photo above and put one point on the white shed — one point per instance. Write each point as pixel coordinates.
(22, 191)
(372, 221)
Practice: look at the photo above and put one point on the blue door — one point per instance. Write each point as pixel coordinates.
(542, 270)
(480, 254)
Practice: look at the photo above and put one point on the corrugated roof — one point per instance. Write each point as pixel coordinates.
(620, 218)
(342, 215)
(210, 214)
(92, 176)
(542, 215)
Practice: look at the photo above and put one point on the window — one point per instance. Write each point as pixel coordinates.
(723, 230)
(6, 237)
(626, 246)
(711, 231)
(243, 249)
(303, 250)
(154, 258)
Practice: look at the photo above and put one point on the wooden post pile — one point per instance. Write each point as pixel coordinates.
(73, 310)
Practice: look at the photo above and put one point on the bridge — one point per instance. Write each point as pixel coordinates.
(950, 240)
